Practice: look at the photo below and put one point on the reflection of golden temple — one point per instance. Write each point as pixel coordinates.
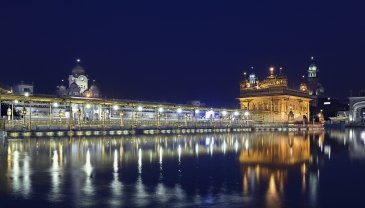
(281, 150)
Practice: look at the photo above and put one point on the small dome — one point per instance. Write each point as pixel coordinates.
(78, 70)
(312, 67)
(95, 91)
(94, 87)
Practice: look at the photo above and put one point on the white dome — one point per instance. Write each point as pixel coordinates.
(78, 70)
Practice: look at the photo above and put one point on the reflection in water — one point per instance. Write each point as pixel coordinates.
(116, 186)
(191, 170)
(55, 177)
(88, 188)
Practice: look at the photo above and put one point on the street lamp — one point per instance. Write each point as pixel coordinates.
(13, 110)
(139, 108)
(179, 110)
(121, 114)
(60, 115)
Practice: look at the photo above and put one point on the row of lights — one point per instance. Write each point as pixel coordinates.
(160, 109)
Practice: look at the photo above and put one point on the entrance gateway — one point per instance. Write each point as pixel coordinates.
(357, 109)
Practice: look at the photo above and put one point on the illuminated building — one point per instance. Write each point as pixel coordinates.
(271, 100)
(78, 85)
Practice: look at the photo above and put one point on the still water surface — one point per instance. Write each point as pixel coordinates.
(260, 169)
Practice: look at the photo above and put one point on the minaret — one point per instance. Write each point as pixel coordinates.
(312, 70)
(312, 78)
(271, 72)
(252, 77)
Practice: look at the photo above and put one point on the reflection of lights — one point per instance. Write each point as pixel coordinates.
(211, 148)
(303, 169)
(327, 150)
(16, 171)
(224, 147)
(197, 149)
(54, 176)
(246, 144)
(161, 154)
(88, 166)
(140, 161)
(179, 151)
(272, 196)
(115, 161)
(236, 145)
(362, 136)
(26, 176)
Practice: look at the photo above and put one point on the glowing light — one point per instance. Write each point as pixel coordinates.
(78, 60)
(115, 161)
(247, 113)
(160, 110)
(88, 106)
(16, 101)
(179, 151)
(271, 69)
(197, 111)
(224, 113)
(236, 145)
(88, 166)
(115, 107)
(179, 110)
(26, 94)
(55, 105)
(224, 147)
(139, 108)
(140, 161)
(197, 149)
(236, 113)
(161, 154)
(209, 114)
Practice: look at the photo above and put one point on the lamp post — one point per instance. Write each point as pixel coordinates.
(160, 110)
(79, 117)
(186, 119)
(9, 113)
(13, 110)
(121, 114)
(179, 110)
(60, 115)
(24, 112)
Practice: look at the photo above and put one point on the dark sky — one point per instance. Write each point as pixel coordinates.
(181, 50)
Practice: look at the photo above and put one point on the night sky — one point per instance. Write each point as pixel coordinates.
(179, 50)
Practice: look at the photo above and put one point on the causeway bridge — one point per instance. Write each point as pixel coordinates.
(42, 115)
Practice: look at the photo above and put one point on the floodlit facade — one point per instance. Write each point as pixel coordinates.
(272, 101)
